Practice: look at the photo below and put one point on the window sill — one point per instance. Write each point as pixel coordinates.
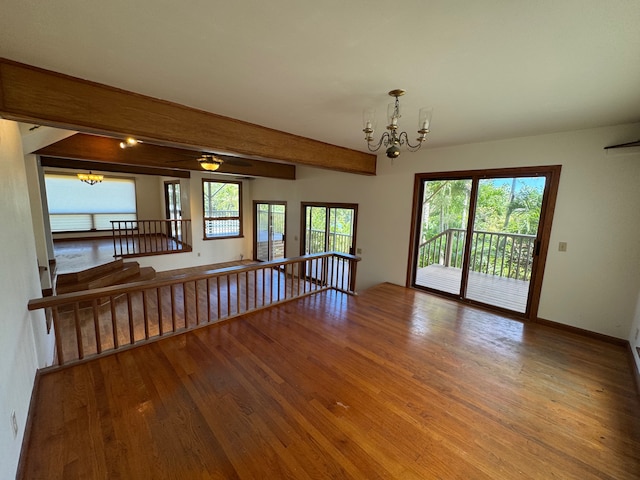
(223, 237)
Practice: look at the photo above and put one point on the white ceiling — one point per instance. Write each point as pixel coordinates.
(491, 69)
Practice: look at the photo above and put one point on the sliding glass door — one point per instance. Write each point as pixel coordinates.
(328, 227)
(477, 235)
(269, 230)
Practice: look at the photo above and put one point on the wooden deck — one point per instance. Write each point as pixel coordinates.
(393, 383)
(490, 289)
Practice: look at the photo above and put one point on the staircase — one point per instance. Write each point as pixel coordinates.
(112, 273)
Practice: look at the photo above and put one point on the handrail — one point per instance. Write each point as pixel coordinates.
(501, 254)
(104, 319)
(135, 238)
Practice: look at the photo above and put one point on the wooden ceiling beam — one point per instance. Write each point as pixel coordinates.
(82, 146)
(83, 165)
(35, 95)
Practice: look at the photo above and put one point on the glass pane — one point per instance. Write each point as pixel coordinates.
(504, 234)
(276, 227)
(341, 230)
(444, 217)
(262, 231)
(316, 227)
(221, 209)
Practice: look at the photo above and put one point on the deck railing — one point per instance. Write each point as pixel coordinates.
(106, 319)
(502, 254)
(338, 242)
(136, 238)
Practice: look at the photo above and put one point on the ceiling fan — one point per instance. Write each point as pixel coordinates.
(212, 162)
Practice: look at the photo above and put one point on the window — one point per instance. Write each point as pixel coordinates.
(75, 206)
(222, 209)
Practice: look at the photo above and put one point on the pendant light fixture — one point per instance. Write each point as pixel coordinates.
(209, 162)
(392, 139)
(90, 178)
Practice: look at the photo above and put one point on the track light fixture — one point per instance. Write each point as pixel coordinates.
(129, 142)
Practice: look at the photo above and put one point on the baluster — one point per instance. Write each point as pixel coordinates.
(530, 241)
(519, 259)
(185, 304)
(208, 289)
(96, 324)
(114, 322)
(132, 337)
(246, 291)
(197, 300)
(145, 314)
(76, 319)
(238, 295)
(159, 300)
(58, 337)
(505, 240)
(255, 289)
(228, 279)
(173, 308)
(218, 297)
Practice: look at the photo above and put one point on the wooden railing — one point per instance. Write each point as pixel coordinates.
(136, 238)
(502, 254)
(106, 319)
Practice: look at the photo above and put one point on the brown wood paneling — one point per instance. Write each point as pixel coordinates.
(393, 383)
(105, 149)
(36, 95)
(111, 167)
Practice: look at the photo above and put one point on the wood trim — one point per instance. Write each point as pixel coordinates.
(350, 206)
(24, 449)
(240, 211)
(36, 95)
(172, 160)
(634, 367)
(552, 175)
(581, 331)
(544, 235)
(255, 224)
(72, 164)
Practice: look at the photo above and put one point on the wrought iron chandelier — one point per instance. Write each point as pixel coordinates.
(90, 178)
(392, 139)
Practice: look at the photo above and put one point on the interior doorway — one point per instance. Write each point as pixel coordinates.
(482, 236)
(269, 227)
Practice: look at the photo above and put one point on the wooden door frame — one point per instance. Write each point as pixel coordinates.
(255, 224)
(552, 174)
(167, 214)
(328, 205)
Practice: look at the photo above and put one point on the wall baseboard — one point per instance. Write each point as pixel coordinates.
(28, 426)
(581, 331)
(634, 367)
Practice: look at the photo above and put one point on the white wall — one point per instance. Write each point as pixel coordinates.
(593, 286)
(149, 188)
(22, 340)
(206, 252)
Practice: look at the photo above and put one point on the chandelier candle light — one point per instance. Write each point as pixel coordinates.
(392, 139)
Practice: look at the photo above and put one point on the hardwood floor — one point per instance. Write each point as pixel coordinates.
(393, 383)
